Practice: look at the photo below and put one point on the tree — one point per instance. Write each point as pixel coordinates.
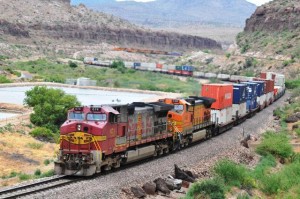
(73, 64)
(50, 106)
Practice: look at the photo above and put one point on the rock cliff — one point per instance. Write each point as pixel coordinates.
(278, 15)
(57, 21)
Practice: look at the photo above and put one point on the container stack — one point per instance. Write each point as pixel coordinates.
(251, 95)
(239, 106)
(269, 90)
(222, 108)
(261, 96)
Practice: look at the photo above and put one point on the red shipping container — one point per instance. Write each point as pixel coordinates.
(159, 65)
(177, 72)
(269, 84)
(263, 75)
(223, 94)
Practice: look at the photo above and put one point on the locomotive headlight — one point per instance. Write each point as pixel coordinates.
(78, 127)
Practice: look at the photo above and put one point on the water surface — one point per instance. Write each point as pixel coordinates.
(16, 95)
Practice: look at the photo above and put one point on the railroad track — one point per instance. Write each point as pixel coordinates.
(43, 185)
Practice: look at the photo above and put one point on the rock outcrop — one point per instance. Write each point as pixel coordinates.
(58, 21)
(280, 15)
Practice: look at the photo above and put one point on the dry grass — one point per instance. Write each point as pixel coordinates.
(16, 156)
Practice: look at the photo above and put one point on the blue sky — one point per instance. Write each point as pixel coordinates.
(257, 2)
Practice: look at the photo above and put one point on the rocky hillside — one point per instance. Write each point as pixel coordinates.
(274, 29)
(50, 24)
(173, 13)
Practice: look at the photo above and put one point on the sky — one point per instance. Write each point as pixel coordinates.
(256, 2)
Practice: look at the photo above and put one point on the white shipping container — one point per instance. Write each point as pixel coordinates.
(223, 76)
(210, 75)
(222, 116)
(128, 64)
(269, 75)
(262, 100)
(279, 80)
(240, 78)
(270, 97)
(240, 108)
(148, 65)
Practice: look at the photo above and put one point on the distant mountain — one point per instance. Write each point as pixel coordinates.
(176, 12)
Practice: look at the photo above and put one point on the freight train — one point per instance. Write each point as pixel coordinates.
(99, 138)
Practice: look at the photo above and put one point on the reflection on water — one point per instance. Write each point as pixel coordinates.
(16, 95)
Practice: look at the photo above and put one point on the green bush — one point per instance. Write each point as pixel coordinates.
(35, 145)
(4, 80)
(43, 133)
(37, 172)
(292, 84)
(46, 162)
(73, 64)
(48, 173)
(232, 173)
(213, 189)
(50, 107)
(276, 144)
(24, 176)
(265, 163)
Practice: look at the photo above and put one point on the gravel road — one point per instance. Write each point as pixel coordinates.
(109, 186)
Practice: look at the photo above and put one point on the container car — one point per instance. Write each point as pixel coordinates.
(239, 93)
(223, 94)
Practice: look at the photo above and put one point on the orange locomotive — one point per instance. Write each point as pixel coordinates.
(104, 137)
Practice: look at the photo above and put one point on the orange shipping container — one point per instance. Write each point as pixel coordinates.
(159, 65)
(223, 94)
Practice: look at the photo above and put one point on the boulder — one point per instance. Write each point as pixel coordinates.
(292, 119)
(173, 184)
(138, 192)
(149, 188)
(162, 186)
(185, 184)
(295, 126)
(184, 175)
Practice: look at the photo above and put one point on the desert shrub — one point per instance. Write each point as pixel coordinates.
(213, 189)
(292, 84)
(34, 145)
(243, 196)
(276, 144)
(4, 80)
(285, 179)
(37, 172)
(46, 162)
(24, 176)
(228, 55)
(232, 173)
(73, 64)
(47, 173)
(43, 133)
(265, 163)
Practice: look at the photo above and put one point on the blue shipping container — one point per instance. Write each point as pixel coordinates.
(239, 93)
(251, 90)
(252, 104)
(188, 68)
(260, 87)
(136, 64)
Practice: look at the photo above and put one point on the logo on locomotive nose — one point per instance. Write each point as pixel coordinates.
(81, 138)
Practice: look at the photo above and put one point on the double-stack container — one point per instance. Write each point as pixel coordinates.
(187, 70)
(261, 96)
(251, 95)
(268, 75)
(222, 108)
(136, 65)
(239, 106)
(269, 91)
(210, 75)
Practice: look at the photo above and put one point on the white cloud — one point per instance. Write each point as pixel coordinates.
(259, 2)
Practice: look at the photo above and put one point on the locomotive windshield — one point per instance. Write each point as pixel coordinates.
(96, 117)
(76, 116)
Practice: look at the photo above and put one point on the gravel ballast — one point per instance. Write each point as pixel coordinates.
(110, 185)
